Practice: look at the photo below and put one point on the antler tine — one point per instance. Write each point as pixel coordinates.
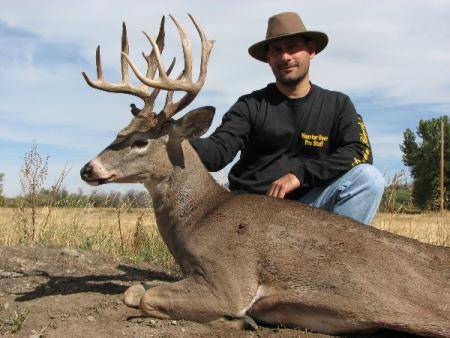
(171, 108)
(125, 49)
(157, 56)
(98, 63)
(184, 84)
(125, 86)
(207, 46)
(187, 50)
(151, 61)
(184, 81)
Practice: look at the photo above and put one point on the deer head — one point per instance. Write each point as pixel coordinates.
(150, 146)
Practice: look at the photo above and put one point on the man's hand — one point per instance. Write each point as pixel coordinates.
(283, 186)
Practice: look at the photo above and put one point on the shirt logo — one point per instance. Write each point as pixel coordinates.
(313, 140)
(364, 139)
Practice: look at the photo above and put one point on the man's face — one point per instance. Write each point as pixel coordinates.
(289, 59)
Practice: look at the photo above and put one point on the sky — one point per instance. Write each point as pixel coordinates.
(391, 57)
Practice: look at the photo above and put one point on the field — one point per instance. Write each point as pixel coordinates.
(112, 231)
(64, 275)
(132, 232)
(432, 228)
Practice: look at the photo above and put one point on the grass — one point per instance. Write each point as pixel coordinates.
(14, 323)
(432, 228)
(129, 233)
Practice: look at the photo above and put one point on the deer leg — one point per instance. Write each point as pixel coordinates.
(192, 299)
(288, 310)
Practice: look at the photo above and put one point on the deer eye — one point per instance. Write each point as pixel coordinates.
(139, 144)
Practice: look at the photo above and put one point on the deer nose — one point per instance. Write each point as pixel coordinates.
(86, 171)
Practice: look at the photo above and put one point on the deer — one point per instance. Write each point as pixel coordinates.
(250, 260)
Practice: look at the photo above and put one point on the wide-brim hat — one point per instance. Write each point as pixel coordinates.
(288, 24)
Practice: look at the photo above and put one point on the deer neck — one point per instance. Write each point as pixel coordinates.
(182, 199)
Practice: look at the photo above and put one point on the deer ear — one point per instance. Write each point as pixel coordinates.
(192, 125)
(197, 122)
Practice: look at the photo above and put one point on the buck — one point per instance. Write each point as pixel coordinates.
(251, 259)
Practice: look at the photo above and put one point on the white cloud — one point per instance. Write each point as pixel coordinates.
(402, 46)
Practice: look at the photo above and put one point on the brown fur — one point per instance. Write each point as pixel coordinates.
(352, 277)
(277, 261)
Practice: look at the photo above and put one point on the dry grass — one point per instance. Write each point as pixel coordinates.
(433, 228)
(114, 231)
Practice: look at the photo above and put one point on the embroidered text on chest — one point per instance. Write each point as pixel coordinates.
(313, 140)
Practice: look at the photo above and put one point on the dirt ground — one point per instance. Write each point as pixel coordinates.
(53, 292)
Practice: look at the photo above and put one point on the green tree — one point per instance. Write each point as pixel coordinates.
(1, 183)
(423, 158)
(2, 199)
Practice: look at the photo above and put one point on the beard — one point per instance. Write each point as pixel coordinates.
(293, 76)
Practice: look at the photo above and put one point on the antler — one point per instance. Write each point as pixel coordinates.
(125, 86)
(184, 81)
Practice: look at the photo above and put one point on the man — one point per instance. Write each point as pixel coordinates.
(297, 140)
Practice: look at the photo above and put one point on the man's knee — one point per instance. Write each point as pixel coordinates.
(370, 176)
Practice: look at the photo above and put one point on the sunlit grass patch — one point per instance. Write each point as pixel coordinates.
(432, 228)
(98, 229)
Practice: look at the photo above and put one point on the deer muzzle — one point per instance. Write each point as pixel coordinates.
(94, 173)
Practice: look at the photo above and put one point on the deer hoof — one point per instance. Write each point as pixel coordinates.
(249, 324)
(132, 297)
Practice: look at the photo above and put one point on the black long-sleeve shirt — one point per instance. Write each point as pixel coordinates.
(318, 138)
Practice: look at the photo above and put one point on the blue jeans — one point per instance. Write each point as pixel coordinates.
(356, 194)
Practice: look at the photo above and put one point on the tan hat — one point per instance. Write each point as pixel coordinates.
(286, 25)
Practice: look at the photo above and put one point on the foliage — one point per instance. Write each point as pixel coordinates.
(2, 200)
(33, 173)
(423, 158)
(397, 196)
(32, 177)
(1, 183)
(397, 200)
(62, 198)
(15, 321)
